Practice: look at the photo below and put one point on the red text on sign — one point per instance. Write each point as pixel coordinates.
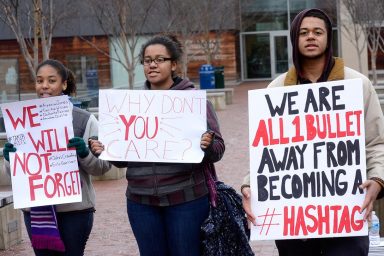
(140, 126)
(57, 185)
(299, 220)
(27, 112)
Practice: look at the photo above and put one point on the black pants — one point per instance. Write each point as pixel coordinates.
(340, 246)
(74, 228)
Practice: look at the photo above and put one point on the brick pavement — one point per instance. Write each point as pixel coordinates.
(111, 234)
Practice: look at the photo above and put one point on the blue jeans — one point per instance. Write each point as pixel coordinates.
(169, 230)
(74, 228)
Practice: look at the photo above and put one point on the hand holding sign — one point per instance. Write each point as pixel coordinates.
(95, 146)
(153, 126)
(8, 147)
(43, 170)
(79, 144)
(246, 192)
(307, 161)
(206, 139)
(373, 189)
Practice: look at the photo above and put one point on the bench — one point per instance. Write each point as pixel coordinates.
(382, 103)
(217, 99)
(10, 220)
(228, 93)
(377, 250)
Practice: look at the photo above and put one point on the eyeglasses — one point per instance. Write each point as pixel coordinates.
(157, 60)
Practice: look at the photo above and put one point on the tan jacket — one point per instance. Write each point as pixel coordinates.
(373, 116)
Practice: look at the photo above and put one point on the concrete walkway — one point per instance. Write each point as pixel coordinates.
(111, 234)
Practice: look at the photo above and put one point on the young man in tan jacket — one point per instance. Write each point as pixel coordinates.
(311, 37)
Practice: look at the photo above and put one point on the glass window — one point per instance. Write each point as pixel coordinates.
(259, 15)
(328, 6)
(257, 56)
(267, 51)
(85, 70)
(9, 80)
(264, 15)
(281, 54)
(379, 59)
(335, 43)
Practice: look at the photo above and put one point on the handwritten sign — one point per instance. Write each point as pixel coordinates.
(307, 159)
(43, 170)
(152, 126)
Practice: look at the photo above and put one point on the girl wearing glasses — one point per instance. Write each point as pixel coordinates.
(169, 223)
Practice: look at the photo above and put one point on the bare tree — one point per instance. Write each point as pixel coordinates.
(200, 25)
(180, 17)
(356, 34)
(123, 21)
(32, 22)
(253, 12)
(213, 19)
(373, 24)
(369, 15)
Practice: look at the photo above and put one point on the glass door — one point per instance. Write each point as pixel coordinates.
(256, 56)
(280, 53)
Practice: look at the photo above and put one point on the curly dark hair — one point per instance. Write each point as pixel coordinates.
(170, 42)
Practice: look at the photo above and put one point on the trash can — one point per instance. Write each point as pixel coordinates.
(207, 77)
(219, 77)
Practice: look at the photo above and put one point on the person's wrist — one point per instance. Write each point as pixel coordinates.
(381, 183)
(378, 180)
(244, 186)
(83, 153)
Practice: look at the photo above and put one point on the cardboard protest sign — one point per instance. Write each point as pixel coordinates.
(307, 159)
(43, 170)
(152, 126)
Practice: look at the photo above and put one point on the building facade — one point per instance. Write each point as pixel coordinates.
(264, 39)
(265, 43)
(254, 46)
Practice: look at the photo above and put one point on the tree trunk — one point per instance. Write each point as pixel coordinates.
(131, 79)
(373, 67)
(36, 29)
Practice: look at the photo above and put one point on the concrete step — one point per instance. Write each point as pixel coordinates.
(217, 99)
(228, 93)
(379, 89)
(10, 220)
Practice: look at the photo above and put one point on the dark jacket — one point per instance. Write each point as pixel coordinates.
(163, 184)
(225, 231)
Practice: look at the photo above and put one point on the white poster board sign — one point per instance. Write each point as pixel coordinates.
(152, 126)
(43, 170)
(307, 159)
